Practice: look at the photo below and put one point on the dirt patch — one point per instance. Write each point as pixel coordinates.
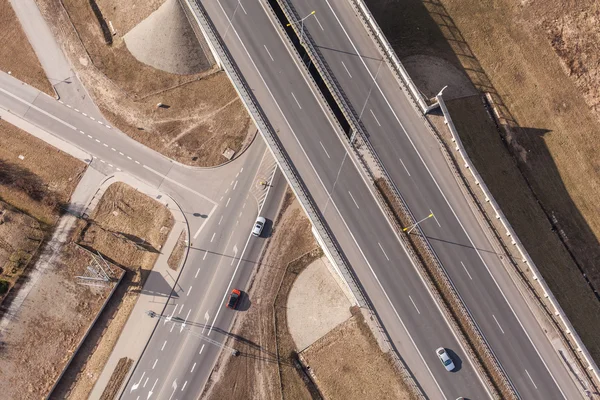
(129, 228)
(347, 363)
(17, 55)
(42, 181)
(165, 40)
(178, 252)
(316, 304)
(254, 374)
(202, 114)
(20, 239)
(116, 379)
(50, 325)
(523, 54)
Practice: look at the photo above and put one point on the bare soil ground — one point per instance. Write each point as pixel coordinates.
(50, 325)
(117, 378)
(539, 62)
(42, 181)
(176, 256)
(204, 115)
(17, 55)
(348, 364)
(36, 180)
(122, 217)
(20, 239)
(254, 374)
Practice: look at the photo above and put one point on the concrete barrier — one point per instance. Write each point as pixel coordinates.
(559, 316)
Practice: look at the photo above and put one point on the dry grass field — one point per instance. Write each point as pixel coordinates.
(42, 181)
(539, 62)
(17, 55)
(204, 115)
(349, 365)
(50, 325)
(128, 228)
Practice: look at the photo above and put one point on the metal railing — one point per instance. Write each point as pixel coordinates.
(291, 175)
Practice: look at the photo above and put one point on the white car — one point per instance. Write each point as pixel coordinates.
(445, 359)
(258, 226)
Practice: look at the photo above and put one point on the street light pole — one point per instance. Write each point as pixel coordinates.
(301, 21)
(413, 226)
(234, 351)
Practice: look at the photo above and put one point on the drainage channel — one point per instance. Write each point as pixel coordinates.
(337, 112)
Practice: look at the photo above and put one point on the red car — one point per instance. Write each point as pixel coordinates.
(234, 298)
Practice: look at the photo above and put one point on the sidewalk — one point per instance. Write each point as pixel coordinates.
(139, 326)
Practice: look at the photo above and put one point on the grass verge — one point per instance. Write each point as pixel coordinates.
(17, 55)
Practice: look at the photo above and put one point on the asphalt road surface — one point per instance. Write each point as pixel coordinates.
(220, 204)
(412, 157)
(312, 141)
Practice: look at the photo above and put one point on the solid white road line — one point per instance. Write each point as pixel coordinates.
(346, 68)
(466, 270)
(373, 114)
(355, 203)
(434, 217)
(318, 22)
(406, 169)
(243, 9)
(335, 206)
(383, 251)
(326, 153)
(531, 379)
(451, 208)
(173, 181)
(269, 53)
(498, 323)
(37, 109)
(412, 301)
(294, 96)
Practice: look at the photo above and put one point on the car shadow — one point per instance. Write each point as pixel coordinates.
(455, 359)
(244, 302)
(267, 229)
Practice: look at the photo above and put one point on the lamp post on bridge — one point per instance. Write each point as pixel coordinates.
(413, 226)
(301, 22)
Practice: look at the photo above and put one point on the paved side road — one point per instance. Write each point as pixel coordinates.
(58, 69)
